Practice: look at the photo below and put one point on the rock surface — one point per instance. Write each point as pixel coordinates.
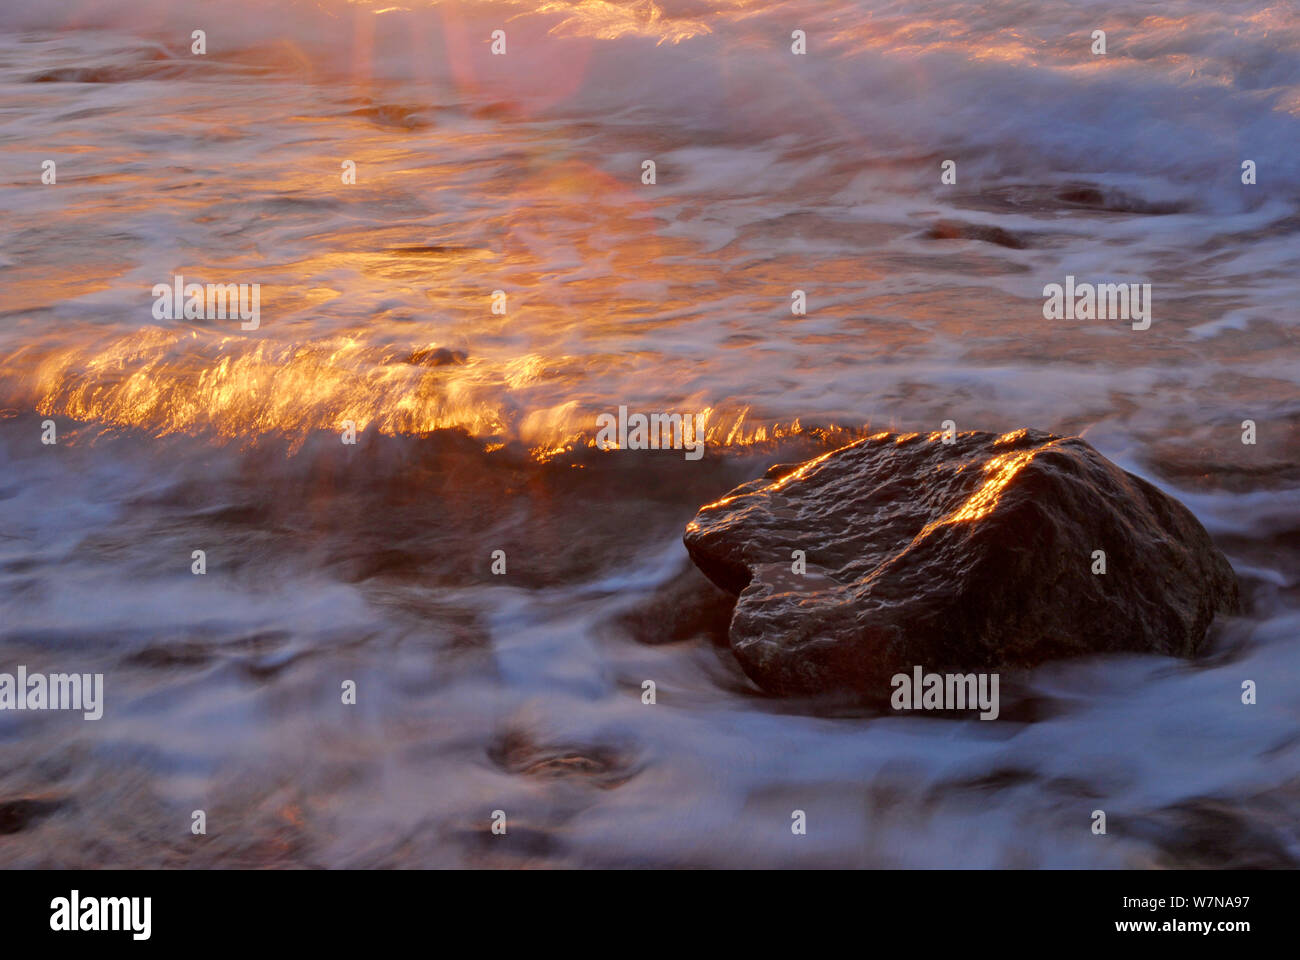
(973, 555)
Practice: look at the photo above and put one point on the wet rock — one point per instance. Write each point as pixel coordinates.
(18, 813)
(686, 607)
(601, 765)
(1113, 201)
(436, 357)
(957, 230)
(1205, 833)
(393, 115)
(971, 555)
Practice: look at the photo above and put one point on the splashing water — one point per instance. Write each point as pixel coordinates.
(521, 173)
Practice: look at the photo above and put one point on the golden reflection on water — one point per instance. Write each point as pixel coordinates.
(358, 282)
(236, 388)
(614, 297)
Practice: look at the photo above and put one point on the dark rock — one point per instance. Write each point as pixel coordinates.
(1113, 201)
(1205, 833)
(685, 607)
(970, 555)
(436, 357)
(957, 230)
(393, 115)
(602, 765)
(18, 813)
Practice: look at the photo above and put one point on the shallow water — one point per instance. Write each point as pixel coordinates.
(521, 173)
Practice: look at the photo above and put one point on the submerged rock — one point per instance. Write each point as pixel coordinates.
(439, 357)
(977, 554)
(957, 230)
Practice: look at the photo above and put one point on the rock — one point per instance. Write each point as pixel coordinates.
(974, 555)
(956, 230)
(436, 357)
(18, 813)
(686, 607)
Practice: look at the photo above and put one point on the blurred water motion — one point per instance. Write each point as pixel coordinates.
(522, 174)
